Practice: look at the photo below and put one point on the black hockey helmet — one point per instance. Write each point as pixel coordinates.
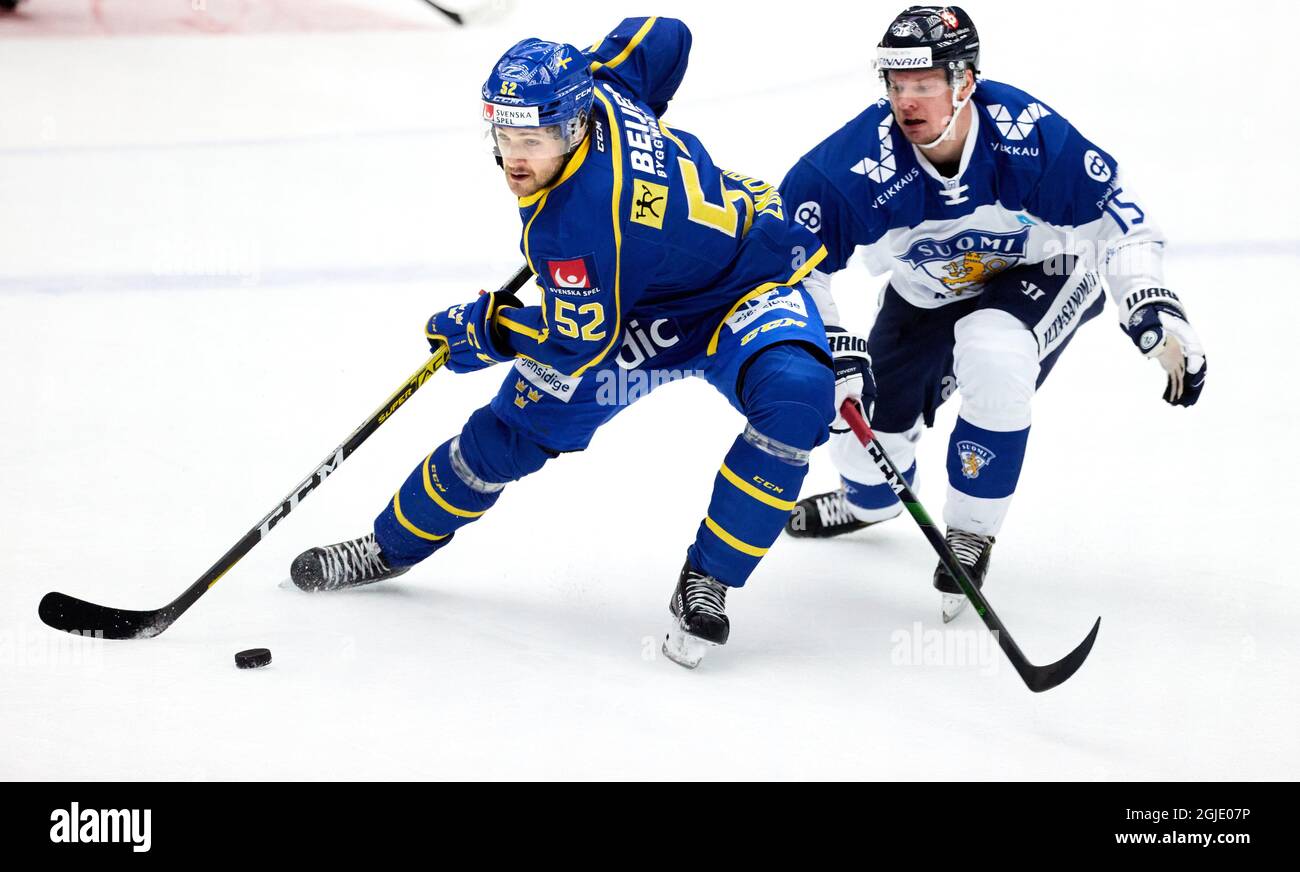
(930, 37)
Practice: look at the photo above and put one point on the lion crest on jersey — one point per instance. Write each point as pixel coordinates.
(973, 270)
(965, 261)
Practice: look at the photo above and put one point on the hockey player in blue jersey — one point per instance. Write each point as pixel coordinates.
(651, 262)
(1002, 227)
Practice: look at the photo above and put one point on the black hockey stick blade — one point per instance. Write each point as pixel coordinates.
(1041, 678)
(1036, 678)
(72, 615)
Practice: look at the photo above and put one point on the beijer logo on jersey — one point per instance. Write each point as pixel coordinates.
(974, 457)
(968, 259)
(777, 298)
(580, 272)
(645, 144)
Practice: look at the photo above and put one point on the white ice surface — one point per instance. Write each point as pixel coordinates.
(216, 257)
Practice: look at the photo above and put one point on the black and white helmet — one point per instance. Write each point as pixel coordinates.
(930, 37)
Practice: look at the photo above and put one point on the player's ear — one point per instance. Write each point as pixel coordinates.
(968, 83)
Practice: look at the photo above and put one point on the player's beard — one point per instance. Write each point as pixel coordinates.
(531, 177)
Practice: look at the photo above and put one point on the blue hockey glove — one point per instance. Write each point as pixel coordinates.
(1161, 331)
(853, 377)
(469, 331)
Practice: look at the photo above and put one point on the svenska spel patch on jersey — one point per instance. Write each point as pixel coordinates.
(573, 274)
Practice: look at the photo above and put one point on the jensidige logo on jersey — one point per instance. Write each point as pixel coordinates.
(574, 278)
(967, 260)
(778, 298)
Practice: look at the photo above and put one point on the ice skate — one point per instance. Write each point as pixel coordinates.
(346, 564)
(972, 552)
(823, 516)
(699, 604)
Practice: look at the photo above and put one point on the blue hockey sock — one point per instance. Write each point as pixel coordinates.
(985, 463)
(434, 502)
(752, 496)
(874, 497)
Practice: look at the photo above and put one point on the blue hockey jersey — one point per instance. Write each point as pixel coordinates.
(1029, 187)
(641, 219)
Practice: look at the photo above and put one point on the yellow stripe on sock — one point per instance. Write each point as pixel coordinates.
(760, 495)
(401, 519)
(742, 547)
(443, 504)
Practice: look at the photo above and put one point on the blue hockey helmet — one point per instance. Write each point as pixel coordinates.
(546, 86)
(930, 37)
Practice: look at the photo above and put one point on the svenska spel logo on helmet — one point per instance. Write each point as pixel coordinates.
(510, 116)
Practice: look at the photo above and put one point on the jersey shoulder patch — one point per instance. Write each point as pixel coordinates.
(1022, 125)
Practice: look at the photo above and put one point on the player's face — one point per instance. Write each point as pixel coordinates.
(922, 102)
(530, 157)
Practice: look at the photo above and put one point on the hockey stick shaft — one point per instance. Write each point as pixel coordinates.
(450, 13)
(78, 616)
(1037, 678)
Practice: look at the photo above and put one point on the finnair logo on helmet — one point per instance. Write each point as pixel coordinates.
(510, 116)
(903, 58)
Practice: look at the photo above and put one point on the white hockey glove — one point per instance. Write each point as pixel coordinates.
(1161, 331)
(853, 376)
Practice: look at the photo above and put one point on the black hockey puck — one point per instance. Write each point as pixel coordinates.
(253, 658)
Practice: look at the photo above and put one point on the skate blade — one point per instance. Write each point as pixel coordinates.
(684, 649)
(953, 605)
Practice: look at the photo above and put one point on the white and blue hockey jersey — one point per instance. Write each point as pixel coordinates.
(1029, 187)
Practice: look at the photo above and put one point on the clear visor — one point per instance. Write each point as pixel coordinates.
(527, 143)
(916, 87)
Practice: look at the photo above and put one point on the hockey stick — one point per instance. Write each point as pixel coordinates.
(454, 16)
(72, 615)
(481, 13)
(1037, 678)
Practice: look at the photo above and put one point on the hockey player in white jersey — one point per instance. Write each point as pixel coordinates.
(1002, 228)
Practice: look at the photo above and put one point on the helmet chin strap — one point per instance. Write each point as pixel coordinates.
(952, 119)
